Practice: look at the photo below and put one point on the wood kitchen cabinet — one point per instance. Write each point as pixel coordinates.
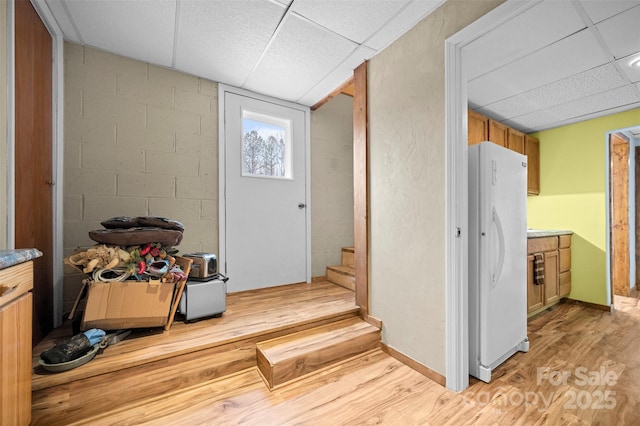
(564, 251)
(515, 140)
(535, 293)
(478, 126)
(481, 128)
(556, 252)
(551, 284)
(498, 133)
(15, 344)
(532, 151)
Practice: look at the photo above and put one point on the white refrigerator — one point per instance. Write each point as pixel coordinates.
(497, 257)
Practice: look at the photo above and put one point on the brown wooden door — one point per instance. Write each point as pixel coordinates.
(619, 209)
(34, 209)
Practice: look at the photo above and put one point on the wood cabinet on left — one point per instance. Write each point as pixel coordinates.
(15, 345)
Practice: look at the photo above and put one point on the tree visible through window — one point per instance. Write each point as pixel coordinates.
(263, 148)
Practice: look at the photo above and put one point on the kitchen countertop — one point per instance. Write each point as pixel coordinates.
(539, 233)
(10, 258)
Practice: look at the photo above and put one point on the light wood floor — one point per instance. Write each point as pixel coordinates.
(569, 341)
(248, 314)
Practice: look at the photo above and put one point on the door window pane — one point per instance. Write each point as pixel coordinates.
(266, 145)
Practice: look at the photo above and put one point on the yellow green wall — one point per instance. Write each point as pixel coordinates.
(572, 196)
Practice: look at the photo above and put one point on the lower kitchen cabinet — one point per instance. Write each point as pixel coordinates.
(551, 284)
(535, 293)
(556, 253)
(15, 345)
(564, 251)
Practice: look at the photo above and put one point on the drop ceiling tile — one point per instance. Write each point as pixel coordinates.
(63, 20)
(567, 57)
(137, 29)
(221, 40)
(403, 22)
(539, 26)
(599, 10)
(627, 65)
(355, 20)
(601, 103)
(299, 57)
(622, 33)
(593, 81)
(338, 76)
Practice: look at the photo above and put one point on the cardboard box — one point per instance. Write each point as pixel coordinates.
(131, 303)
(127, 304)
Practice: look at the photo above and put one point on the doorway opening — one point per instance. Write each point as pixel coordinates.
(623, 238)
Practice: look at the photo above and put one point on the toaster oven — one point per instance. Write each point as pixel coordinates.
(204, 266)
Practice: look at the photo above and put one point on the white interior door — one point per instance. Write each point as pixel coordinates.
(265, 205)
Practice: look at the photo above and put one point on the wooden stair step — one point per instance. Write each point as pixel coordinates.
(290, 357)
(347, 257)
(151, 363)
(344, 276)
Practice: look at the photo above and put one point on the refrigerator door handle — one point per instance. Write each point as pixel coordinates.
(501, 243)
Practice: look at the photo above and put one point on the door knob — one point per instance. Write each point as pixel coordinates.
(301, 206)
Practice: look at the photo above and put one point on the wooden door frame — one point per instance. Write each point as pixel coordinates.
(57, 143)
(361, 188)
(614, 179)
(610, 291)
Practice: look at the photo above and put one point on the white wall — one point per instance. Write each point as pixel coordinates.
(331, 182)
(407, 184)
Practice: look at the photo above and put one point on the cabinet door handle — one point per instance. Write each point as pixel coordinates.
(6, 289)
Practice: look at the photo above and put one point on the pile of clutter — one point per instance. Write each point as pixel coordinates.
(138, 248)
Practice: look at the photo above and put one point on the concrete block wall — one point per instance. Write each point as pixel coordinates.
(331, 182)
(139, 140)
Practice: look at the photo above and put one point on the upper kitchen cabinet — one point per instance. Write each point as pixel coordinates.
(478, 128)
(483, 128)
(515, 140)
(498, 133)
(532, 151)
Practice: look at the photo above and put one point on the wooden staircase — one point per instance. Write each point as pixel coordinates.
(296, 355)
(285, 332)
(344, 274)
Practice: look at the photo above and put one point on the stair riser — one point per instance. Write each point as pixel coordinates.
(80, 399)
(295, 368)
(348, 258)
(101, 393)
(346, 281)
